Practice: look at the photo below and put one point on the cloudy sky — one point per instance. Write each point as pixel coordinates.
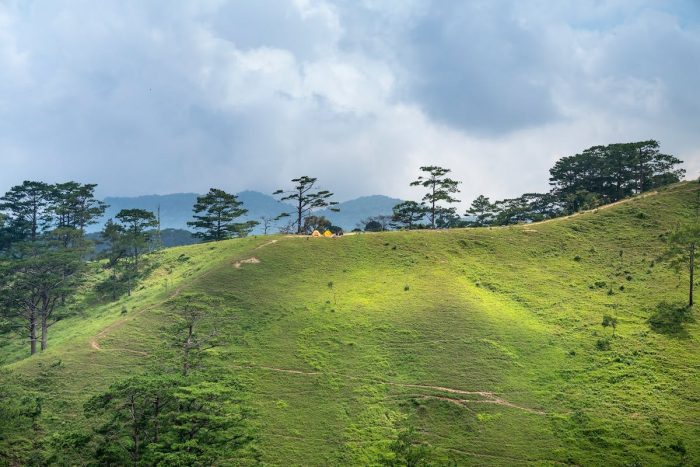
(147, 97)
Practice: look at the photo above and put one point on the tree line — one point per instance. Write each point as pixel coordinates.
(44, 250)
(596, 176)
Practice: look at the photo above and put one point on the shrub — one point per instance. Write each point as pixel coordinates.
(373, 226)
(609, 321)
(670, 317)
(602, 344)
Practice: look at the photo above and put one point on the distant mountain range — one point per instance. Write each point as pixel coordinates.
(176, 209)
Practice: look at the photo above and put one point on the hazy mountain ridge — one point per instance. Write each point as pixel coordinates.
(176, 209)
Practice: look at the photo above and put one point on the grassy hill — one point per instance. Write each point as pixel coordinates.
(484, 340)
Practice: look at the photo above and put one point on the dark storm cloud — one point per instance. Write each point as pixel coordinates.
(473, 66)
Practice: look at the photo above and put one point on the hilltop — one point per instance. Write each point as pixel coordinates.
(486, 340)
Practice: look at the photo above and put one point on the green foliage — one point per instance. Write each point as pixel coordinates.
(609, 321)
(599, 175)
(208, 426)
(373, 226)
(214, 215)
(603, 174)
(407, 450)
(670, 317)
(681, 252)
(28, 206)
(603, 344)
(305, 200)
(197, 318)
(20, 412)
(408, 215)
(440, 190)
(482, 210)
(134, 231)
(167, 420)
(75, 205)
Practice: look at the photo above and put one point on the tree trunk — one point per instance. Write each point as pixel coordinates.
(432, 211)
(156, 429)
(300, 208)
(44, 333)
(32, 333)
(692, 274)
(186, 352)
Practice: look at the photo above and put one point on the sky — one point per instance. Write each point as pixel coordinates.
(156, 97)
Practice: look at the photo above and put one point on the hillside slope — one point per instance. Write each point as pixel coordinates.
(484, 340)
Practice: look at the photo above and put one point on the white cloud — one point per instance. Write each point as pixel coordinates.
(179, 97)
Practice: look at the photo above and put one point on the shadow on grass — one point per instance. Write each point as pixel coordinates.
(669, 319)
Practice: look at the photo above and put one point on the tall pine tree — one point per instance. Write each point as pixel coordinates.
(440, 190)
(214, 216)
(305, 200)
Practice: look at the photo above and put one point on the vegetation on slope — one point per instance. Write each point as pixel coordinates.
(480, 345)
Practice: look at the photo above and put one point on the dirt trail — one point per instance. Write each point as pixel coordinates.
(266, 244)
(251, 260)
(488, 397)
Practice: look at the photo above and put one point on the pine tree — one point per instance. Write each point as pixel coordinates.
(682, 253)
(440, 190)
(28, 211)
(305, 200)
(214, 216)
(407, 215)
(482, 209)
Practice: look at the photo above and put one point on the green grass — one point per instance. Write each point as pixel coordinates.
(514, 312)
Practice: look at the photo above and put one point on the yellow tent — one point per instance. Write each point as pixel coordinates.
(316, 233)
(327, 233)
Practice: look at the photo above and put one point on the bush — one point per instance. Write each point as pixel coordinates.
(373, 226)
(602, 344)
(670, 317)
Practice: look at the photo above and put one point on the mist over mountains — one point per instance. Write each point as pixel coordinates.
(176, 209)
